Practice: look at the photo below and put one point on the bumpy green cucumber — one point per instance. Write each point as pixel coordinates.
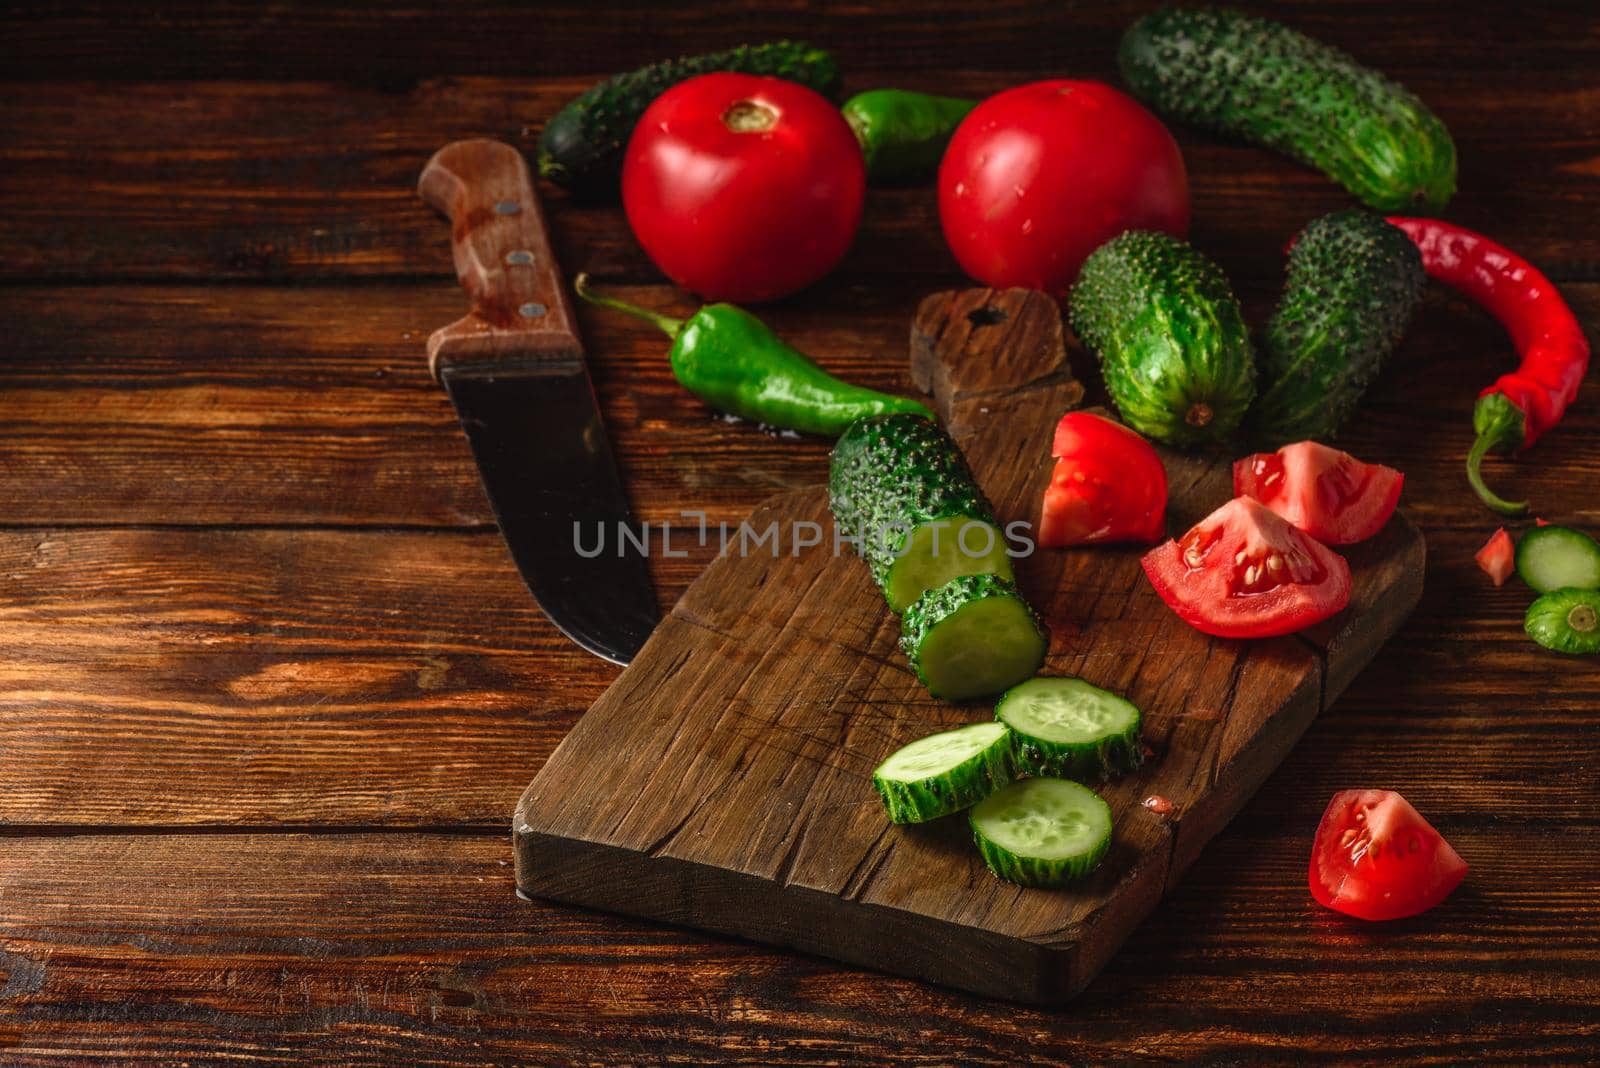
(1259, 80)
(1353, 282)
(900, 487)
(581, 148)
(1557, 558)
(1170, 337)
(944, 773)
(972, 637)
(1071, 729)
(1567, 621)
(1042, 832)
(903, 134)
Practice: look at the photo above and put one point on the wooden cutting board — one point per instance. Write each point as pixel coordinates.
(723, 781)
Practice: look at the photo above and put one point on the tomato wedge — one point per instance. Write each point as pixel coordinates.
(1242, 572)
(1376, 858)
(1108, 485)
(1329, 494)
(1498, 557)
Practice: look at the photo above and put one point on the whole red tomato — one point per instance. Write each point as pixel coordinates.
(1039, 176)
(743, 188)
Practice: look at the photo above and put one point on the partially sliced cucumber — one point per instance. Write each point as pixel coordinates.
(1042, 832)
(972, 637)
(1558, 558)
(900, 489)
(944, 773)
(1567, 621)
(1068, 728)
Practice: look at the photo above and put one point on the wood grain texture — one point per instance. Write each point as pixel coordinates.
(312, 181)
(314, 406)
(504, 259)
(287, 405)
(155, 676)
(723, 780)
(372, 949)
(235, 662)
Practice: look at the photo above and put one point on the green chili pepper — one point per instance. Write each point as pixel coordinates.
(732, 361)
(903, 134)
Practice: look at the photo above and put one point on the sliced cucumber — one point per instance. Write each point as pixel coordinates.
(1567, 621)
(1042, 832)
(944, 773)
(972, 637)
(1068, 728)
(1558, 558)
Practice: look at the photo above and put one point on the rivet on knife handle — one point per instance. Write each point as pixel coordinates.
(503, 258)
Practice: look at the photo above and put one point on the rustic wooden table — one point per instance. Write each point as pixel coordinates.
(270, 685)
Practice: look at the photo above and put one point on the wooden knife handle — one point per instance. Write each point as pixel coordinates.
(503, 258)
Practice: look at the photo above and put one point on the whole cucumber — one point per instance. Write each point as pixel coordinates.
(1170, 337)
(582, 146)
(1353, 282)
(903, 134)
(1259, 80)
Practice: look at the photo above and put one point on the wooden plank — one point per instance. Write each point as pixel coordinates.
(721, 782)
(315, 406)
(297, 405)
(230, 39)
(272, 678)
(303, 181)
(252, 678)
(376, 948)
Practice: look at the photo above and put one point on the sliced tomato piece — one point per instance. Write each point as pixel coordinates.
(1108, 485)
(1376, 858)
(1329, 494)
(1243, 572)
(1498, 557)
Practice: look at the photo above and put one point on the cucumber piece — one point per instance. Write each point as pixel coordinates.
(1558, 558)
(1353, 282)
(1070, 729)
(1259, 80)
(1567, 621)
(1042, 832)
(972, 637)
(944, 773)
(1169, 335)
(900, 487)
(581, 147)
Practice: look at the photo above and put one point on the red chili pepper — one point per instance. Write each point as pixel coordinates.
(1520, 406)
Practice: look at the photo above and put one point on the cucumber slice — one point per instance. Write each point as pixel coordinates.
(1070, 729)
(972, 637)
(941, 550)
(1042, 832)
(944, 773)
(1558, 558)
(1567, 621)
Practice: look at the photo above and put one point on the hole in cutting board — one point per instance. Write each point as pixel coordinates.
(986, 316)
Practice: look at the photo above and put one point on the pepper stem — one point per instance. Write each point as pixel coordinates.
(665, 323)
(1501, 427)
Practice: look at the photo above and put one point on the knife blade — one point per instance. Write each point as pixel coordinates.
(514, 369)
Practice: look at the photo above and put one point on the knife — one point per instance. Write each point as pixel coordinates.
(514, 369)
